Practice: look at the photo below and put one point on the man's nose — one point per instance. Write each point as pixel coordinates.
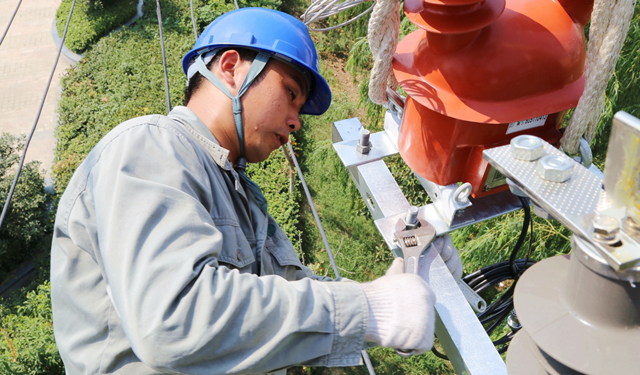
(294, 123)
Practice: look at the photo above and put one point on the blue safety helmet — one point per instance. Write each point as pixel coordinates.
(283, 36)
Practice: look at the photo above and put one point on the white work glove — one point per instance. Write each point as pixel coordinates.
(444, 246)
(401, 312)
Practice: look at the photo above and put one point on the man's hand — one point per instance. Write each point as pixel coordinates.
(401, 312)
(444, 246)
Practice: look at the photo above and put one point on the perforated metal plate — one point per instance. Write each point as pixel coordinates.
(572, 202)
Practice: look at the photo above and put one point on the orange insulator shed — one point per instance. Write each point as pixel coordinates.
(479, 73)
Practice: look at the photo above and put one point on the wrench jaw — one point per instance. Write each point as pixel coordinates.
(413, 242)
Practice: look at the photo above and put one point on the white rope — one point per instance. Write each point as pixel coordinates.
(609, 25)
(321, 9)
(384, 27)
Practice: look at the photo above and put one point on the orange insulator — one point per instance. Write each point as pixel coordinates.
(479, 73)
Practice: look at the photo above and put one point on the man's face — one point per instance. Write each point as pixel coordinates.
(270, 110)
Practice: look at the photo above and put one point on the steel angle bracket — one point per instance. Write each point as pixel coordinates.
(573, 203)
(372, 177)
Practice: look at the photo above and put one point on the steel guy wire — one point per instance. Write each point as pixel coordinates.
(164, 58)
(193, 21)
(10, 21)
(35, 123)
(315, 213)
(321, 9)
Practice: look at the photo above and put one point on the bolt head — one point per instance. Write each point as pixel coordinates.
(527, 147)
(605, 227)
(555, 168)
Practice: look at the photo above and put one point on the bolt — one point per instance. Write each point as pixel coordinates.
(411, 220)
(555, 168)
(364, 146)
(527, 147)
(605, 228)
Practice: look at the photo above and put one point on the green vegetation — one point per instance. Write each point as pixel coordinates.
(91, 20)
(27, 220)
(27, 345)
(26, 334)
(122, 77)
(623, 90)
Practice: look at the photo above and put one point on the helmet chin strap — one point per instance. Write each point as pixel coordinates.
(254, 70)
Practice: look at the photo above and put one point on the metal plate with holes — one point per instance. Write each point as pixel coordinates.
(380, 190)
(571, 202)
(381, 147)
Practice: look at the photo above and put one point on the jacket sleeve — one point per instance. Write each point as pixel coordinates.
(181, 311)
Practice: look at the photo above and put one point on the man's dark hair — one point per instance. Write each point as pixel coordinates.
(197, 79)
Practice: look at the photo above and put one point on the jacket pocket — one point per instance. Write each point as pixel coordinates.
(279, 257)
(236, 250)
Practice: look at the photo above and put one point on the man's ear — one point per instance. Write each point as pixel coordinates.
(232, 70)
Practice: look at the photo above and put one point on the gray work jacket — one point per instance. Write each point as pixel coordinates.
(153, 266)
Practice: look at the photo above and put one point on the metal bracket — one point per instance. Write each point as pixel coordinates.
(449, 200)
(457, 327)
(571, 202)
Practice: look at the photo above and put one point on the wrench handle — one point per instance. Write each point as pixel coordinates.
(411, 265)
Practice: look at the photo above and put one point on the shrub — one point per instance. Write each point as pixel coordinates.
(27, 345)
(27, 220)
(91, 20)
(279, 184)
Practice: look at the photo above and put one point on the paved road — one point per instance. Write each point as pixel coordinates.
(26, 58)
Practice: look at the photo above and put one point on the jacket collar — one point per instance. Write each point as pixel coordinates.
(199, 130)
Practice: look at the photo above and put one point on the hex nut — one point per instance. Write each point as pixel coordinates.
(363, 149)
(605, 228)
(555, 168)
(527, 147)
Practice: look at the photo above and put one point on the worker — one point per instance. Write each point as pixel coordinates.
(164, 258)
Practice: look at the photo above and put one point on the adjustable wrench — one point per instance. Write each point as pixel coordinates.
(413, 242)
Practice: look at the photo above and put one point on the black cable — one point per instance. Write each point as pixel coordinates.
(492, 275)
(523, 233)
(438, 354)
(193, 21)
(164, 59)
(35, 123)
(10, 22)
